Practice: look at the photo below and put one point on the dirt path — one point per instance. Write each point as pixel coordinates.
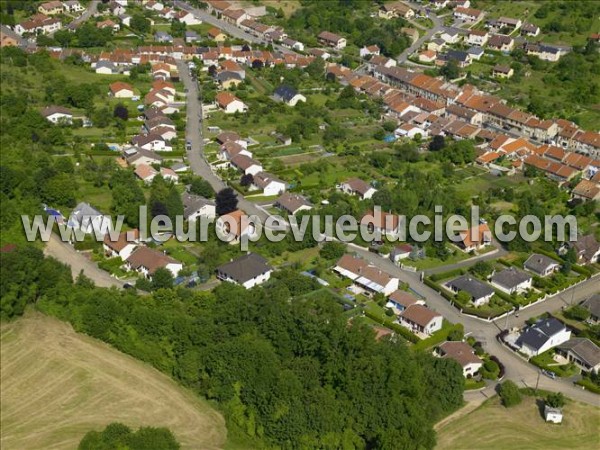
(57, 384)
(67, 254)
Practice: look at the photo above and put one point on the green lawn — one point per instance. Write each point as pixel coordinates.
(494, 427)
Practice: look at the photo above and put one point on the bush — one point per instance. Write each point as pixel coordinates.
(577, 312)
(509, 394)
(555, 400)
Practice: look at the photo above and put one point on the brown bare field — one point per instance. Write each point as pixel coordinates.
(56, 385)
(494, 427)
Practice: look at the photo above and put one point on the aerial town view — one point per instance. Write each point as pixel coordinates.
(300, 224)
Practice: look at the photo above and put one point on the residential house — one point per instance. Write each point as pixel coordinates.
(500, 71)
(230, 149)
(427, 56)
(230, 103)
(366, 276)
(501, 43)
(477, 37)
(151, 141)
(38, 24)
(246, 164)
(227, 79)
(288, 95)
(541, 265)
(587, 249)
(88, 220)
(332, 40)
(106, 68)
(587, 190)
(7, 40)
(108, 24)
(187, 17)
(136, 156)
(58, 115)
(169, 174)
(396, 9)
(463, 354)
(248, 271)
(475, 53)
(120, 89)
(421, 320)
(293, 203)
(73, 6)
(400, 252)
(467, 14)
(51, 8)
(191, 37)
(235, 16)
(582, 352)
(399, 300)
(123, 246)
(195, 206)
(475, 238)
(450, 36)
(480, 292)
(592, 304)
(529, 29)
(217, 35)
(269, 184)
(356, 186)
(145, 173)
(542, 336)
(235, 226)
(146, 261)
(163, 36)
(511, 281)
(369, 50)
(382, 223)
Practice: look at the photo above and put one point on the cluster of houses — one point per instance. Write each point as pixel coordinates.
(369, 280)
(550, 333)
(430, 106)
(45, 21)
(514, 281)
(127, 245)
(437, 51)
(233, 152)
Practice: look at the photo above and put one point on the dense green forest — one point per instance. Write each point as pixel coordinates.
(285, 367)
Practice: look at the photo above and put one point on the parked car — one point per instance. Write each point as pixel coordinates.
(549, 374)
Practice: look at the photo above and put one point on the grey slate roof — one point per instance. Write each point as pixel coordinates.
(245, 268)
(584, 349)
(473, 286)
(593, 305)
(192, 203)
(536, 335)
(285, 93)
(510, 278)
(539, 263)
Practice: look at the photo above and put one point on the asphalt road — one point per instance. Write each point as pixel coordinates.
(89, 12)
(438, 24)
(228, 28)
(517, 369)
(193, 134)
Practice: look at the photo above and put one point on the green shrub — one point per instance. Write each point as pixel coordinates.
(509, 394)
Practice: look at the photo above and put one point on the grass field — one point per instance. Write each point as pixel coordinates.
(57, 385)
(492, 426)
